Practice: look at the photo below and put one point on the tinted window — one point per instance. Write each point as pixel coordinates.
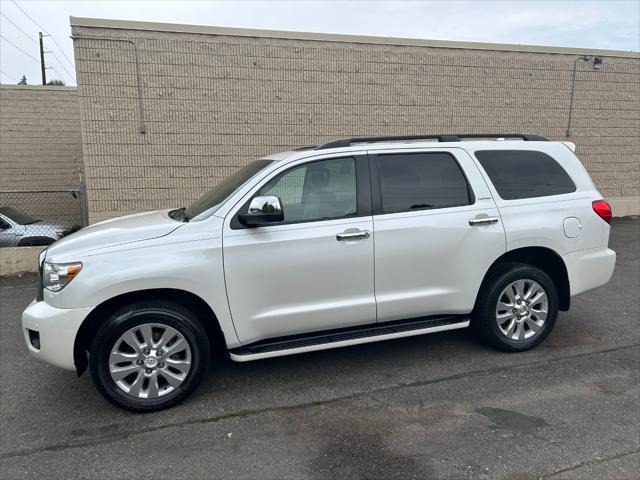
(316, 191)
(524, 174)
(417, 181)
(17, 215)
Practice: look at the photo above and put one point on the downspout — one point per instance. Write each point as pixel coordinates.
(143, 129)
(585, 58)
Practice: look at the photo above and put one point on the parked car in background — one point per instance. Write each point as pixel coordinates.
(354, 241)
(17, 229)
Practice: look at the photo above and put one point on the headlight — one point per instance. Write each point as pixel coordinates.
(56, 276)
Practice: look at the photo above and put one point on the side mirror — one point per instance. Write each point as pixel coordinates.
(262, 211)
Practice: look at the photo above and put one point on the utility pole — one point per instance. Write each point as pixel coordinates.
(42, 67)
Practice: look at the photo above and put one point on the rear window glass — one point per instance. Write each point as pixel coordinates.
(524, 174)
(420, 181)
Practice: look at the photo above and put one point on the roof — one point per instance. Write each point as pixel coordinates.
(331, 37)
(497, 144)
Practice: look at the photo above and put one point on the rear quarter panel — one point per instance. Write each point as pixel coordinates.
(540, 221)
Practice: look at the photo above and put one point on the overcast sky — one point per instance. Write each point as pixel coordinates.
(610, 24)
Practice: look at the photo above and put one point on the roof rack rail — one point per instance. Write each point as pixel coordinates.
(347, 142)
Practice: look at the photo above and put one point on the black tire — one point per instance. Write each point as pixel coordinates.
(484, 318)
(160, 312)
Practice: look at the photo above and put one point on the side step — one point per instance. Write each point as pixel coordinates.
(343, 337)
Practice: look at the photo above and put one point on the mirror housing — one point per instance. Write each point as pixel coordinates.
(264, 210)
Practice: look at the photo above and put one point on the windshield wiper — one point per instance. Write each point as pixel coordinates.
(179, 215)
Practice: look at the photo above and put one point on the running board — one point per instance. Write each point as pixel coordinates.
(345, 337)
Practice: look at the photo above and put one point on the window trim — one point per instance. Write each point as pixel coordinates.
(376, 182)
(363, 193)
(520, 199)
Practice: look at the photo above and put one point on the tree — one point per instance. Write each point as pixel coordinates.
(23, 80)
(59, 83)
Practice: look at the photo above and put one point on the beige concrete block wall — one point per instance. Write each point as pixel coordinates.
(15, 260)
(214, 99)
(40, 147)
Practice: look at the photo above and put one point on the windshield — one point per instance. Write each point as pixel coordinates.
(17, 216)
(208, 203)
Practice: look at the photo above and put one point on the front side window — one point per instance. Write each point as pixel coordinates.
(316, 191)
(524, 174)
(210, 201)
(420, 181)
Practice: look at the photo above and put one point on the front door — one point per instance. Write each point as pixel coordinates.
(314, 270)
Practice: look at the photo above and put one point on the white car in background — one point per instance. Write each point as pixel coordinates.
(18, 229)
(353, 241)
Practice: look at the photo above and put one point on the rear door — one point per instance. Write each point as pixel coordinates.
(437, 231)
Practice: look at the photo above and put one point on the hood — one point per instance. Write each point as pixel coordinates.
(117, 231)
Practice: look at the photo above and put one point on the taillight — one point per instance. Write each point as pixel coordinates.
(603, 210)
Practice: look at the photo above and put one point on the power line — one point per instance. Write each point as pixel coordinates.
(17, 27)
(29, 16)
(44, 30)
(9, 76)
(62, 52)
(63, 67)
(16, 46)
(55, 70)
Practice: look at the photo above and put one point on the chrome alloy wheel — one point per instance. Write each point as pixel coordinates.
(150, 360)
(522, 309)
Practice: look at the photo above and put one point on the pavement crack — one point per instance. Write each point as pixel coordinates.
(105, 439)
(588, 463)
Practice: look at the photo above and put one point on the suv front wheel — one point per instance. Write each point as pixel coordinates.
(517, 307)
(149, 355)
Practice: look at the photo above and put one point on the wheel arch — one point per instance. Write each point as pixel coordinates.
(197, 305)
(546, 260)
(36, 241)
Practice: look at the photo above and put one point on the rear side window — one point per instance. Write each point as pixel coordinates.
(524, 174)
(419, 181)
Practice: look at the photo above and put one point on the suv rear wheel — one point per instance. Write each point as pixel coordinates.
(149, 355)
(517, 307)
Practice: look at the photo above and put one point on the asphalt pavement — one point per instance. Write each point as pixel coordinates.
(441, 406)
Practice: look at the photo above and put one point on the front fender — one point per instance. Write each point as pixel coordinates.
(195, 267)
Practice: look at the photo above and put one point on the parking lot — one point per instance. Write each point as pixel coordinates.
(439, 406)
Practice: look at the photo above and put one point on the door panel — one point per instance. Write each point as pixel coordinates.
(285, 280)
(432, 261)
(309, 273)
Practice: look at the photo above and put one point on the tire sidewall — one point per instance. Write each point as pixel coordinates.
(491, 328)
(120, 322)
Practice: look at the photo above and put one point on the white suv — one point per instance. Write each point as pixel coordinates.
(353, 241)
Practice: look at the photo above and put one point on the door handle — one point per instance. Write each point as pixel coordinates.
(361, 235)
(474, 222)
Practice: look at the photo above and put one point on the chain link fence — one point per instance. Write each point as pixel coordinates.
(30, 217)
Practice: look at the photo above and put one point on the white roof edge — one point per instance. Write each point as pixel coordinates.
(331, 37)
(5, 86)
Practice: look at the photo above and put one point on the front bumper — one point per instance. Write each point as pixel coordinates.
(589, 269)
(55, 330)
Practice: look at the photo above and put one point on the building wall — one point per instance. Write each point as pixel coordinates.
(214, 99)
(40, 148)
